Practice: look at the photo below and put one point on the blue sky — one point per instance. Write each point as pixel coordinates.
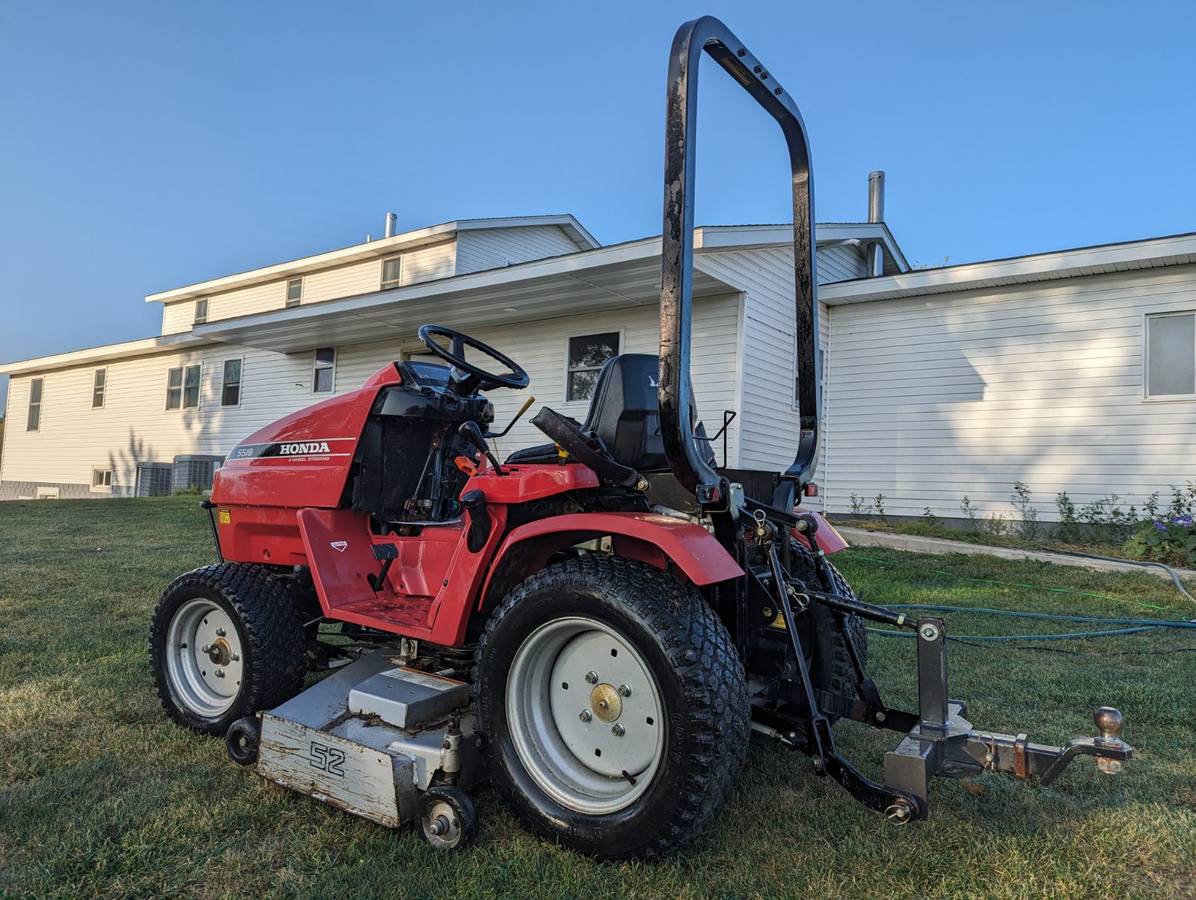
(147, 145)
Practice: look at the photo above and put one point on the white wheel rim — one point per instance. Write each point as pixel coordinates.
(585, 715)
(204, 658)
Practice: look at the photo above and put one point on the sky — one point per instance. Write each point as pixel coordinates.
(144, 146)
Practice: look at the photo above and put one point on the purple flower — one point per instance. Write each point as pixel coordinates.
(1160, 525)
(1186, 521)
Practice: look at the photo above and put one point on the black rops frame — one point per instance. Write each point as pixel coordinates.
(676, 286)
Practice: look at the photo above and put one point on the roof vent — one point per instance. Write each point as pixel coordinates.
(392, 224)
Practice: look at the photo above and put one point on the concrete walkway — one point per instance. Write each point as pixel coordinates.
(860, 537)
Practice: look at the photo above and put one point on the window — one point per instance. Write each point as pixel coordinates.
(294, 291)
(182, 387)
(230, 389)
(587, 353)
(101, 481)
(1171, 355)
(392, 269)
(325, 369)
(99, 383)
(34, 422)
(201, 310)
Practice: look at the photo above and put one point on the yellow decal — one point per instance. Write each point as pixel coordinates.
(225, 517)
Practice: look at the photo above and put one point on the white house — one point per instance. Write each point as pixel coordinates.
(1071, 370)
(237, 352)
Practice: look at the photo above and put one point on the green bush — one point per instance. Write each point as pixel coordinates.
(1171, 540)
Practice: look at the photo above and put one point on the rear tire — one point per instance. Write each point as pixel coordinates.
(832, 669)
(255, 647)
(674, 716)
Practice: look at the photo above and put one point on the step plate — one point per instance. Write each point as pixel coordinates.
(367, 782)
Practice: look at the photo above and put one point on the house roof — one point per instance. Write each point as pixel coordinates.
(1099, 259)
(408, 240)
(626, 274)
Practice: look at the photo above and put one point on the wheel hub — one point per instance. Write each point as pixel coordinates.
(203, 658)
(586, 715)
(606, 703)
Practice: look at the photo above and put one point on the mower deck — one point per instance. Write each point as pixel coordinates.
(371, 739)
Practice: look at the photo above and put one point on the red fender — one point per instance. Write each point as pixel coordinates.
(826, 537)
(652, 538)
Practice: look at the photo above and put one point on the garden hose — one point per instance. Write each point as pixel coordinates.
(1179, 584)
(1129, 626)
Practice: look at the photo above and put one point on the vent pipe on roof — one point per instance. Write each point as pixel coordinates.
(876, 214)
(392, 224)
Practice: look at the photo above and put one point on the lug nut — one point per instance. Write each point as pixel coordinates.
(624, 690)
(618, 730)
(586, 715)
(592, 677)
(220, 632)
(206, 648)
(220, 673)
(236, 657)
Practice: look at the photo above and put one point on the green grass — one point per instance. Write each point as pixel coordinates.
(99, 794)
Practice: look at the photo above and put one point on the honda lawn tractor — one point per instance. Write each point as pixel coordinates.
(595, 625)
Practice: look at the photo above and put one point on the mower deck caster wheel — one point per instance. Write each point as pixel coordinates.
(448, 818)
(242, 740)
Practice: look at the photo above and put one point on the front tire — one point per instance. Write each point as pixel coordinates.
(614, 707)
(225, 641)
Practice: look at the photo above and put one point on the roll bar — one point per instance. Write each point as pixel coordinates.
(676, 285)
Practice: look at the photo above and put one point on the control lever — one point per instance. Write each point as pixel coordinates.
(473, 436)
(519, 415)
(479, 520)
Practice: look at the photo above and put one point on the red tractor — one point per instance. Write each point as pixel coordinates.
(596, 625)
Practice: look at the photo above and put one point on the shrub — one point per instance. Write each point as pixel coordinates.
(1020, 500)
(880, 507)
(1168, 540)
(970, 512)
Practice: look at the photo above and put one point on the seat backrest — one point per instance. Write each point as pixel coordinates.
(625, 414)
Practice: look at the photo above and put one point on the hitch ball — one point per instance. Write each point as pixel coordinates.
(1108, 726)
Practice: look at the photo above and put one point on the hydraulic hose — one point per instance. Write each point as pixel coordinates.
(1129, 626)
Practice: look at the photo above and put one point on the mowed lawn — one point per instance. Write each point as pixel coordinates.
(99, 794)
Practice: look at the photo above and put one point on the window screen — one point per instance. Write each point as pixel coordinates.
(34, 421)
(201, 311)
(1171, 355)
(391, 270)
(325, 369)
(230, 390)
(191, 387)
(587, 353)
(98, 387)
(294, 291)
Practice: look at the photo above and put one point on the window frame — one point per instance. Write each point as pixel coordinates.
(286, 292)
(201, 318)
(183, 371)
(34, 423)
(569, 338)
(102, 389)
(240, 381)
(395, 282)
(101, 488)
(317, 365)
(1147, 396)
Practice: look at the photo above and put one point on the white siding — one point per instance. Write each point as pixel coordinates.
(134, 425)
(840, 264)
(494, 248)
(767, 423)
(937, 397)
(424, 264)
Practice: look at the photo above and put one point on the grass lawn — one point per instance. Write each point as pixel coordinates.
(99, 794)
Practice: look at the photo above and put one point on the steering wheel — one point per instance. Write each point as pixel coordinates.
(516, 378)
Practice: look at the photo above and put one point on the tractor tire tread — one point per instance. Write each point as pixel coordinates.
(275, 643)
(704, 656)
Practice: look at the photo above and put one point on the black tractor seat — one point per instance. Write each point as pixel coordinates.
(624, 416)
